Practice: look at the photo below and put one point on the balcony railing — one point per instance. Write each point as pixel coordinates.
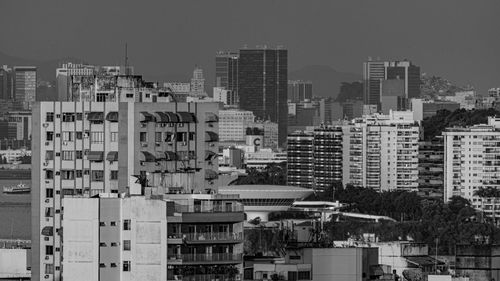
(235, 207)
(223, 257)
(211, 277)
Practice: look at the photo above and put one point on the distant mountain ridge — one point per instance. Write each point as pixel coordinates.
(326, 80)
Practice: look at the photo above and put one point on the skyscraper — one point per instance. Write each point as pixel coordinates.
(262, 85)
(25, 86)
(375, 72)
(6, 83)
(226, 70)
(198, 82)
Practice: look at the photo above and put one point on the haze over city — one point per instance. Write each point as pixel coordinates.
(453, 39)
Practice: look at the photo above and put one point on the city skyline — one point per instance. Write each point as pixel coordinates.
(437, 37)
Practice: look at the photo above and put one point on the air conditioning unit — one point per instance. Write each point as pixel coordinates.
(46, 276)
(45, 163)
(46, 239)
(143, 125)
(47, 143)
(163, 124)
(47, 200)
(45, 125)
(47, 181)
(143, 144)
(47, 258)
(65, 143)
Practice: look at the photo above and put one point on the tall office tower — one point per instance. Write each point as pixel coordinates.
(63, 78)
(299, 90)
(471, 162)
(233, 124)
(198, 82)
(374, 72)
(6, 83)
(300, 159)
(327, 156)
(226, 71)
(262, 85)
(87, 148)
(168, 237)
(25, 86)
(381, 151)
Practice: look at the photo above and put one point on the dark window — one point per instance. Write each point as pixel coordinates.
(126, 245)
(78, 173)
(68, 117)
(126, 225)
(79, 135)
(304, 275)
(49, 193)
(102, 265)
(126, 266)
(79, 154)
(49, 174)
(102, 223)
(143, 137)
(114, 175)
(113, 223)
(49, 250)
(191, 136)
(49, 136)
(102, 244)
(113, 264)
(97, 175)
(49, 117)
(181, 136)
(79, 116)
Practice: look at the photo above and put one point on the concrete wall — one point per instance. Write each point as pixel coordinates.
(13, 263)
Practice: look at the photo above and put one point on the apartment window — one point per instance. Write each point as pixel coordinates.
(101, 97)
(49, 193)
(49, 268)
(113, 136)
(68, 136)
(68, 117)
(102, 244)
(79, 116)
(49, 117)
(78, 173)
(126, 266)
(79, 135)
(68, 155)
(158, 137)
(101, 223)
(97, 175)
(97, 137)
(49, 250)
(126, 225)
(68, 174)
(86, 172)
(113, 175)
(113, 264)
(49, 212)
(181, 136)
(79, 154)
(49, 155)
(169, 137)
(113, 223)
(126, 245)
(114, 244)
(191, 136)
(49, 174)
(304, 275)
(49, 136)
(102, 265)
(143, 137)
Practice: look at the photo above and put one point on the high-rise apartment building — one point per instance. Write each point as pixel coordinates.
(262, 85)
(63, 78)
(226, 71)
(299, 90)
(471, 162)
(375, 72)
(25, 86)
(382, 151)
(300, 159)
(431, 166)
(97, 143)
(185, 237)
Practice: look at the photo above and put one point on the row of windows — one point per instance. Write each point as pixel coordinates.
(126, 265)
(95, 137)
(96, 175)
(127, 224)
(168, 136)
(126, 245)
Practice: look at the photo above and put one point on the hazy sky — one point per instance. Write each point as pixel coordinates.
(456, 39)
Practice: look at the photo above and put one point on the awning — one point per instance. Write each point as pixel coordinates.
(423, 261)
(48, 231)
(211, 136)
(171, 156)
(166, 117)
(148, 157)
(186, 117)
(147, 117)
(210, 174)
(95, 116)
(112, 116)
(209, 155)
(211, 117)
(112, 156)
(160, 156)
(95, 156)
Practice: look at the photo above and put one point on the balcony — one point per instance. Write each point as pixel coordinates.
(205, 258)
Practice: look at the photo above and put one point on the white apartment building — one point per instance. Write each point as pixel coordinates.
(87, 148)
(472, 161)
(381, 151)
(233, 124)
